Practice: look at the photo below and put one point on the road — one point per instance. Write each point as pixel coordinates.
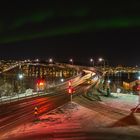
(20, 112)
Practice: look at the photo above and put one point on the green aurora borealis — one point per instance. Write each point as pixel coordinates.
(61, 20)
(95, 25)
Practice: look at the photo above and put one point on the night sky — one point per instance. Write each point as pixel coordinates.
(78, 30)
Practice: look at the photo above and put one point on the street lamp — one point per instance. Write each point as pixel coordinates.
(20, 76)
(37, 60)
(62, 80)
(108, 81)
(108, 87)
(50, 60)
(102, 60)
(92, 61)
(71, 60)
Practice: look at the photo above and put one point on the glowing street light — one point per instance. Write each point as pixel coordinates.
(92, 61)
(50, 60)
(109, 81)
(102, 60)
(20, 76)
(138, 77)
(62, 80)
(71, 60)
(37, 60)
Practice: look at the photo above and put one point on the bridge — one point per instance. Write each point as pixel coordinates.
(115, 70)
(51, 73)
(16, 77)
(31, 72)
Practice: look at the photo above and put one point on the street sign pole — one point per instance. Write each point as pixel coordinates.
(70, 90)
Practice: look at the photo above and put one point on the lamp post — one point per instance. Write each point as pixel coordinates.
(50, 60)
(20, 77)
(37, 60)
(62, 80)
(71, 61)
(102, 60)
(92, 62)
(109, 81)
(108, 87)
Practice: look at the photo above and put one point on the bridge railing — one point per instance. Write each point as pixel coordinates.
(18, 97)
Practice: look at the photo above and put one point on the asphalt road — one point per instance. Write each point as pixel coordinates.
(20, 112)
(14, 114)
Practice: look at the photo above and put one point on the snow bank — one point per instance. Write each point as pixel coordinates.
(121, 101)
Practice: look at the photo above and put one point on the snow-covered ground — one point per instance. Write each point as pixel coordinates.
(20, 96)
(72, 122)
(121, 101)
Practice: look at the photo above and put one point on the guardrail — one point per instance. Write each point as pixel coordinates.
(18, 97)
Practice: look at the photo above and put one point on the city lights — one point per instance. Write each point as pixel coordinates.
(71, 60)
(50, 60)
(62, 80)
(20, 76)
